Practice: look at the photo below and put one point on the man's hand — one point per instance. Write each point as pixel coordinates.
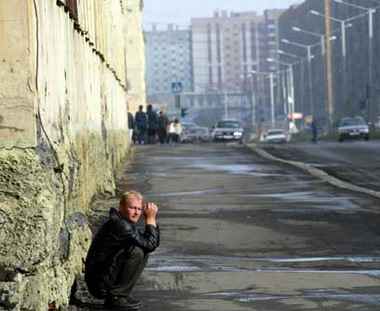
(150, 214)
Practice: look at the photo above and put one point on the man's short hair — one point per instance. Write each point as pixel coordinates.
(130, 194)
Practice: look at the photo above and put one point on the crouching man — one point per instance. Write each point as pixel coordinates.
(119, 252)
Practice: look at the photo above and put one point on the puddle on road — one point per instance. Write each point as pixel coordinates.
(371, 273)
(173, 158)
(238, 169)
(242, 296)
(175, 269)
(307, 196)
(325, 294)
(354, 259)
(220, 263)
(191, 193)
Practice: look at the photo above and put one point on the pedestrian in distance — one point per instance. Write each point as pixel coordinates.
(141, 125)
(314, 131)
(163, 123)
(175, 131)
(171, 132)
(119, 252)
(152, 124)
(131, 127)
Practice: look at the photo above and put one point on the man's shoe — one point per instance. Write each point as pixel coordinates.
(133, 301)
(122, 303)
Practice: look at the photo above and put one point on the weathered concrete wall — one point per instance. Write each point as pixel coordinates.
(63, 134)
(17, 102)
(136, 51)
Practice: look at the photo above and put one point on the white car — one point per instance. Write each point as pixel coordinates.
(276, 136)
(377, 123)
(227, 130)
(196, 134)
(351, 128)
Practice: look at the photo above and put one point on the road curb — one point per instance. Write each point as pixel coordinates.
(316, 172)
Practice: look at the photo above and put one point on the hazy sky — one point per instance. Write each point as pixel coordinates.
(180, 11)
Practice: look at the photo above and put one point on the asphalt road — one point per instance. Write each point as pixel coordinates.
(355, 161)
(241, 233)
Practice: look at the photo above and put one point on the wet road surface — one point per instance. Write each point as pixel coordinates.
(354, 161)
(242, 233)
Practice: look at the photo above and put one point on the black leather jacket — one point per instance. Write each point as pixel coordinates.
(115, 235)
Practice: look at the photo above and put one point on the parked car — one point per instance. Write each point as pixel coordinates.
(196, 134)
(188, 125)
(353, 128)
(227, 130)
(377, 123)
(276, 136)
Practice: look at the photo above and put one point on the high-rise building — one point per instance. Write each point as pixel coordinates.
(168, 60)
(229, 49)
(224, 47)
(229, 46)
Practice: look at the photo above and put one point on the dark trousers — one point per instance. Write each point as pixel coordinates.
(151, 136)
(315, 137)
(121, 276)
(162, 135)
(174, 138)
(141, 135)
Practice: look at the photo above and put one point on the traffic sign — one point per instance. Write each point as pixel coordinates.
(177, 87)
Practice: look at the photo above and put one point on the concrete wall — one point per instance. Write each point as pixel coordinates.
(63, 135)
(17, 100)
(135, 61)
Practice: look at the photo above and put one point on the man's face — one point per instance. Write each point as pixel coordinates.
(132, 209)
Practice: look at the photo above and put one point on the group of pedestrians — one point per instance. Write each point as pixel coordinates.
(149, 126)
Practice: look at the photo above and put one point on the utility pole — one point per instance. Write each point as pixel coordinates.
(225, 99)
(273, 116)
(329, 77)
(372, 109)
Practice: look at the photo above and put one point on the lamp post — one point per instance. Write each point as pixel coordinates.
(315, 34)
(309, 58)
(343, 25)
(302, 72)
(370, 12)
(271, 80)
(289, 71)
(252, 98)
(323, 41)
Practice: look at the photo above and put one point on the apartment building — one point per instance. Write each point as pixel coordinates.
(228, 50)
(168, 59)
(229, 46)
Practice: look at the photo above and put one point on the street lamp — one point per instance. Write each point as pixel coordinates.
(370, 12)
(322, 38)
(315, 34)
(271, 79)
(281, 52)
(290, 80)
(343, 25)
(291, 99)
(309, 58)
(252, 98)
